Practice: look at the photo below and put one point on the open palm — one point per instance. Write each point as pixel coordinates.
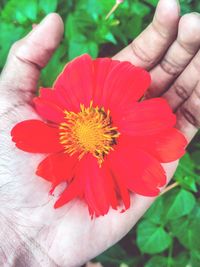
(168, 48)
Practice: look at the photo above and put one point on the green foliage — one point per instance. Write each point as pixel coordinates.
(168, 235)
(149, 235)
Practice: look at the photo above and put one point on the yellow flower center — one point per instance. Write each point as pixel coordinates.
(89, 131)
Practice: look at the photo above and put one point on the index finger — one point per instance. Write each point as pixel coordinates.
(152, 43)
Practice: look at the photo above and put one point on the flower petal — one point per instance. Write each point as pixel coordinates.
(72, 191)
(57, 168)
(99, 188)
(76, 81)
(75, 187)
(94, 184)
(52, 96)
(49, 110)
(36, 136)
(142, 173)
(122, 190)
(118, 83)
(146, 118)
(166, 146)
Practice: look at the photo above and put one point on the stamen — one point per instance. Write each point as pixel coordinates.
(88, 131)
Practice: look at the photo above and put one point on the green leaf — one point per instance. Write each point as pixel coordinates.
(48, 6)
(193, 233)
(96, 7)
(159, 261)
(182, 260)
(77, 48)
(186, 229)
(54, 67)
(152, 238)
(29, 8)
(182, 230)
(110, 37)
(79, 24)
(185, 173)
(188, 182)
(195, 258)
(152, 2)
(140, 9)
(178, 203)
(70, 30)
(20, 17)
(114, 255)
(155, 212)
(7, 39)
(20, 11)
(195, 156)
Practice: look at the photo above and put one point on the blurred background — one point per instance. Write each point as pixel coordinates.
(169, 233)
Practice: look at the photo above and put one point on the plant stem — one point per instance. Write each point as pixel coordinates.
(112, 10)
(169, 188)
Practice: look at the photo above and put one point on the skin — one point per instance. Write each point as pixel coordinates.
(33, 233)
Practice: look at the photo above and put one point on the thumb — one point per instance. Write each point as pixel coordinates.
(28, 55)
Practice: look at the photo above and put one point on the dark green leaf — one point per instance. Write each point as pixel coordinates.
(96, 7)
(182, 260)
(159, 261)
(186, 229)
(115, 254)
(19, 10)
(185, 174)
(195, 258)
(77, 48)
(152, 2)
(155, 212)
(195, 156)
(48, 6)
(70, 27)
(140, 9)
(152, 238)
(179, 226)
(178, 203)
(8, 35)
(54, 67)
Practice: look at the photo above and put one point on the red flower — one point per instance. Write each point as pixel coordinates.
(103, 142)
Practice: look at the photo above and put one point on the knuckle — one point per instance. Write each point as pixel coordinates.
(170, 67)
(181, 91)
(15, 46)
(191, 109)
(140, 53)
(191, 115)
(159, 29)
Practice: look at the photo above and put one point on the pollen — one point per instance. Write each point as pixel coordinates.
(88, 131)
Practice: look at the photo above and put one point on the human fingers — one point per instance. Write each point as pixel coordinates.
(178, 55)
(27, 56)
(185, 84)
(147, 49)
(188, 114)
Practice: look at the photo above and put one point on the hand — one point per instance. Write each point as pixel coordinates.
(67, 236)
